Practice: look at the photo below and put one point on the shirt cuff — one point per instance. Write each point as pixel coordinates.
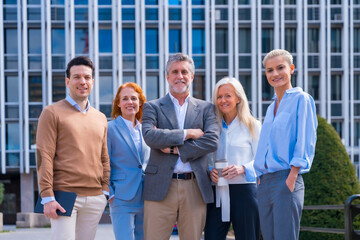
(47, 199)
(184, 135)
(106, 193)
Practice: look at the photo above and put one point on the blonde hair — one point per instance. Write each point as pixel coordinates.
(242, 108)
(279, 52)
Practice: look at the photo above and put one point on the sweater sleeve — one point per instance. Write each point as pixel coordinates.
(45, 149)
(105, 163)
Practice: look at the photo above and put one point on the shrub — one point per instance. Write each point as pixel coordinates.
(331, 181)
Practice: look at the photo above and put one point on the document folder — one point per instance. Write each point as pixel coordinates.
(65, 199)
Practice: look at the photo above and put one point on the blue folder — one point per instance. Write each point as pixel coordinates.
(65, 199)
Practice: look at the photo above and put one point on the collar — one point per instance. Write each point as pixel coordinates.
(73, 103)
(289, 91)
(175, 101)
(129, 124)
(230, 126)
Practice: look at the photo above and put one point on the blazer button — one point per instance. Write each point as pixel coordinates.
(139, 166)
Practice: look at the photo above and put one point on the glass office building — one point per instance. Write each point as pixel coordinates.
(130, 41)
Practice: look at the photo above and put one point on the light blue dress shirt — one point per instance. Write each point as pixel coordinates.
(289, 138)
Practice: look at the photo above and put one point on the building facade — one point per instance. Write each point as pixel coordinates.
(130, 41)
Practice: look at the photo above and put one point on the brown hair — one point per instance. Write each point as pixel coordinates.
(116, 111)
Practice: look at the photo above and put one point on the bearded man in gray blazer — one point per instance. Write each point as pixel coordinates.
(181, 132)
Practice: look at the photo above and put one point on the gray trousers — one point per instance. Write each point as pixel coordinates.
(279, 209)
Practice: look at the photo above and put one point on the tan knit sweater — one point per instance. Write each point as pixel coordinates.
(72, 151)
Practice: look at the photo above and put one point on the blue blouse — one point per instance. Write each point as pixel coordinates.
(289, 138)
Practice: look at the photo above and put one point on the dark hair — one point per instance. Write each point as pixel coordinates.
(81, 60)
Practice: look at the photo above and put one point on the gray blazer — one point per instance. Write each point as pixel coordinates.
(161, 114)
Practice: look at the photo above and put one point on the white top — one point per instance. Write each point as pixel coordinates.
(181, 167)
(239, 148)
(135, 132)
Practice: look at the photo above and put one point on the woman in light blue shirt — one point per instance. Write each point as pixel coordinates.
(238, 142)
(286, 150)
(128, 158)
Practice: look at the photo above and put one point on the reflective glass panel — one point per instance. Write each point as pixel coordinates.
(11, 111)
(129, 78)
(357, 40)
(34, 62)
(104, 2)
(34, 14)
(313, 13)
(152, 45)
(32, 135)
(57, 14)
(12, 160)
(336, 87)
(152, 62)
(81, 2)
(314, 86)
(12, 136)
(199, 62)
(106, 109)
(198, 14)
(244, 14)
(128, 40)
(58, 2)
(221, 41)
(174, 40)
(35, 111)
(34, 40)
(105, 41)
(244, 40)
(174, 2)
(356, 86)
(128, 14)
(11, 62)
(105, 62)
(10, 14)
(104, 14)
(290, 39)
(198, 2)
(267, 90)
(151, 2)
(11, 41)
(175, 14)
(245, 81)
(198, 87)
(129, 62)
(222, 62)
(267, 40)
(58, 62)
(198, 40)
(10, 2)
(58, 88)
(12, 89)
(152, 87)
(336, 61)
(335, 40)
(81, 14)
(127, 2)
(244, 2)
(35, 89)
(313, 40)
(106, 88)
(57, 41)
(290, 14)
(267, 14)
(151, 14)
(244, 61)
(81, 41)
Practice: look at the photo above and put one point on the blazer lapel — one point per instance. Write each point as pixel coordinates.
(191, 113)
(167, 107)
(125, 133)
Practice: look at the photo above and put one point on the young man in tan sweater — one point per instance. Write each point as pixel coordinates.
(72, 156)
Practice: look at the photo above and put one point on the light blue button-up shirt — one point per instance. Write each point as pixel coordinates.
(289, 138)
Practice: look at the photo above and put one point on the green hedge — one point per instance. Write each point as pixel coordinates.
(331, 180)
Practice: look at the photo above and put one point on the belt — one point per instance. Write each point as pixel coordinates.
(183, 176)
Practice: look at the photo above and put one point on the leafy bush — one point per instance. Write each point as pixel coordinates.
(331, 181)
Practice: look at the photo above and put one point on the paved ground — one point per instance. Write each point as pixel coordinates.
(10, 232)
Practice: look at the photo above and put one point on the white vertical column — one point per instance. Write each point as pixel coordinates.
(161, 48)
(230, 39)
(328, 62)
(259, 60)
(276, 24)
(322, 59)
(116, 23)
(44, 46)
(95, 23)
(213, 46)
(2, 93)
(299, 43)
(189, 32)
(138, 42)
(253, 61)
(47, 70)
(351, 74)
(24, 129)
(306, 75)
(208, 53)
(166, 44)
(183, 27)
(345, 67)
(282, 24)
(236, 39)
(143, 46)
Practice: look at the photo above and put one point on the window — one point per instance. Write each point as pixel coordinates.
(267, 40)
(335, 40)
(11, 89)
(105, 41)
(313, 40)
(174, 40)
(357, 40)
(152, 87)
(336, 87)
(290, 39)
(106, 88)
(198, 40)
(244, 40)
(81, 41)
(35, 89)
(314, 86)
(221, 41)
(34, 41)
(128, 40)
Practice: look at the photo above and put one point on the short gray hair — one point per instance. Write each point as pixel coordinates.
(279, 52)
(180, 57)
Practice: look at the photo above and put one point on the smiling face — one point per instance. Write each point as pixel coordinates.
(80, 82)
(278, 72)
(179, 78)
(227, 100)
(129, 103)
